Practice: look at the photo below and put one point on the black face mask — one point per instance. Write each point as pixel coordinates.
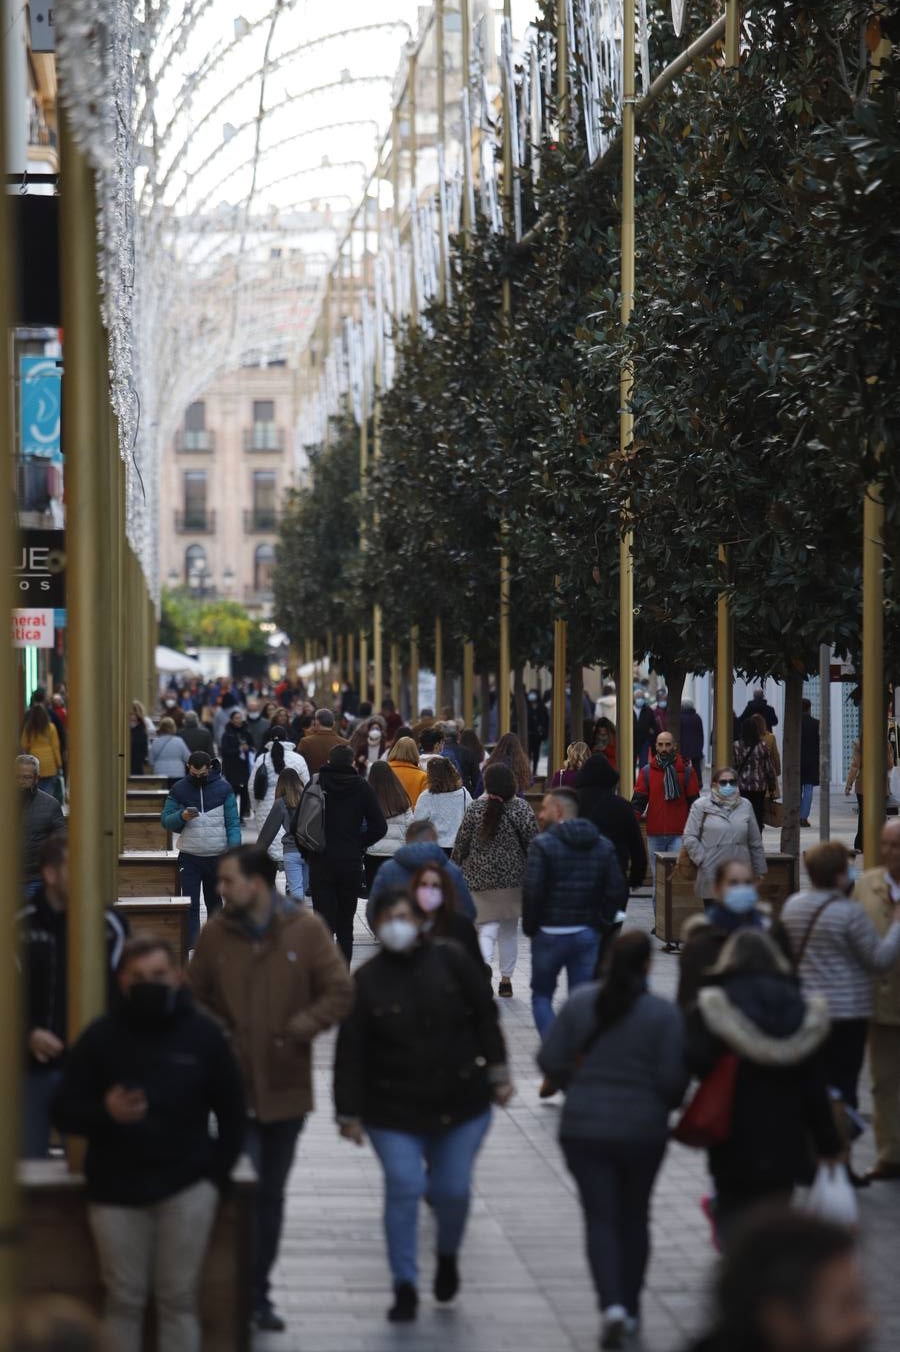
(151, 1001)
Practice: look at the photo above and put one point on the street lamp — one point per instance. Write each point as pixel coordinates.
(228, 579)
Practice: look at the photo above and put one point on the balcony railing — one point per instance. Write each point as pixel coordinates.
(200, 439)
(260, 520)
(195, 523)
(263, 437)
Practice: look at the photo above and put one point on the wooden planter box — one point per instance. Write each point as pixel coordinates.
(675, 900)
(161, 917)
(146, 800)
(57, 1252)
(149, 873)
(142, 831)
(147, 782)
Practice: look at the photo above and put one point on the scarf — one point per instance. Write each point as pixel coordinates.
(729, 804)
(671, 787)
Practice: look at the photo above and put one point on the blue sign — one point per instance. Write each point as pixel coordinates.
(40, 406)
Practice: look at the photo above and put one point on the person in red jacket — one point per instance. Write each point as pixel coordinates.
(663, 794)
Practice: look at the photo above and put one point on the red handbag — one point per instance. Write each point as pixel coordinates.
(706, 1121)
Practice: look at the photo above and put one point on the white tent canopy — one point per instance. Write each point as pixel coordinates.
(172, 663)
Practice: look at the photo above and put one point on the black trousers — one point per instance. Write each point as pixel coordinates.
(334, 888)
(271, 1147)
(615, 1180)
(757, 801)
(844, 1053)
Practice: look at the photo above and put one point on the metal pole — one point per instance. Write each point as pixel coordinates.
(560, 630)
(377, 657)
(395, 675)
(732, 33)
(438, 665)
(87, 493)
(625, 729)
(351, 663)
(414, 673)
(11, 1062)
(874, 723)
(825, 741)
(724, 673)
(468, 684)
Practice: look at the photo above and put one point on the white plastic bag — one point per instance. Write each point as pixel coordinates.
(831, 1197)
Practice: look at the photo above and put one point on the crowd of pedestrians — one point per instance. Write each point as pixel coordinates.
(191, 1068)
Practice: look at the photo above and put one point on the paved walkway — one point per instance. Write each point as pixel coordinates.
(526, 1286)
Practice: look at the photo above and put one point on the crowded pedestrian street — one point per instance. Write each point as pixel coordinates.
(449, 696)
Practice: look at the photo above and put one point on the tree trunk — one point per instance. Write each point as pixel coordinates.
(521, 705)
(790, 763)
(485, 712)
(675, 679)
(576, 715)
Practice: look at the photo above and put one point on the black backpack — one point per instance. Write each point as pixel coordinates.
(261, 782)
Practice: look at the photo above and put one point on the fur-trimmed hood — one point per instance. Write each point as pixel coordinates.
(782, 1034)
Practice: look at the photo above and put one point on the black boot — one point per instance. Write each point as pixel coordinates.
(446, 1278)
(406, 1304)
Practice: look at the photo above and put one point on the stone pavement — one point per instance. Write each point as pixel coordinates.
(526, 1286)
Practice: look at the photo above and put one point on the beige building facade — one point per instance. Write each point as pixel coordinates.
(226, 475)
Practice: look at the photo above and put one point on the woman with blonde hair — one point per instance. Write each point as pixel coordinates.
(577, 754)
(403, 759)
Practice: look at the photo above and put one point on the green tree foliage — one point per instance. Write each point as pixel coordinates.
(186, 622)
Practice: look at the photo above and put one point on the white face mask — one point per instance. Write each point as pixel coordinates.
(374, 737)
(398, 936)
(429, 896)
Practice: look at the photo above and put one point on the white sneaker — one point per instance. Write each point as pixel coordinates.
(613, 1332)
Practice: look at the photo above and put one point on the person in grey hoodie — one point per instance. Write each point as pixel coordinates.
(618, 1051)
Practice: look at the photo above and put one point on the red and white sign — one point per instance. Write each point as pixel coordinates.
(32, 628)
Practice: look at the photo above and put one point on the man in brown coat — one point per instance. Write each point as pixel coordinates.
(315, 747)
(879, 892)
(274, 980)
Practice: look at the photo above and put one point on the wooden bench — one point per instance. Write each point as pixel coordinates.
(163, 917)
(149, 873)
(675, 899)
(147, 782)
(146, 800)
(57, 1251)
(143, 832)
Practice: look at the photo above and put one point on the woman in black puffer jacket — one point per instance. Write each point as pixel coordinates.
(418, 1063)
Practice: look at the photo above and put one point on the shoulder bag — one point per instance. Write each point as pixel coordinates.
(706, 1121)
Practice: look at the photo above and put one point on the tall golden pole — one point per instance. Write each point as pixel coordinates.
(468, 685)
(395, 675)
(351, 662)
(625, 729)
(414, 673)
(87, 494)
(874, 722)
(11, 1063)
(438, 665)
(724, 673)
(560, 629)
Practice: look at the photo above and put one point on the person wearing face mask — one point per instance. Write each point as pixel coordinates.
(703, 936)
(720, 827)
(433, 892)
(141, 1083)
(203, 809)
(837, 951)
(271, 976)
(368, 744)
(645, 726)
(418, 1063)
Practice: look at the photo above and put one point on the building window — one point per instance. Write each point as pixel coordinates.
(194, 562)
(264, 433)
(264, 514)
(263, 564)
(195, 499)
(194, 435)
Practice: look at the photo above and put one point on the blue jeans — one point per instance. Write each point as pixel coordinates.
(40, 1086)
(196, 871)
(806, 797)
(550, 953)
(296, 871)
(661, 845)
(439, 1163)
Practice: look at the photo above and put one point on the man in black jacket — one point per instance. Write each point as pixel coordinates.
(43, 949)
(353, 822)
(140, 1084)
(613, 816)
(759, 705)
(573, 891)
(41, 817)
